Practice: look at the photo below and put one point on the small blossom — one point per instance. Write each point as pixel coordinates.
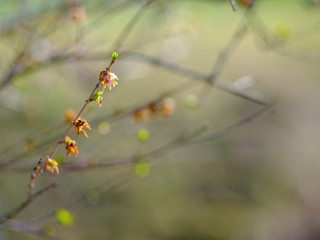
(71, 146)
(51, 165)
(80, 124)
(69, 116)
(108, 79)
(98, 97)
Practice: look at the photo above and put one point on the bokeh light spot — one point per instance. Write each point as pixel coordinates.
(104, 127)
(142, 169)
(64, 217)
(191, 102)
(143, 135)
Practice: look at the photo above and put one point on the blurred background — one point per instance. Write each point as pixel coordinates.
(181, 149)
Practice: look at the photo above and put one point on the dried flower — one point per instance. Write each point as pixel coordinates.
(80, 124)
(69, 116)
(51, 165)
(98, 97)
(108, 79)
(71, 146)
(154, 108)
(168, 107)
(141, 115)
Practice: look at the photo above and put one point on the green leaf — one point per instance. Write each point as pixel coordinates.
(114, 55)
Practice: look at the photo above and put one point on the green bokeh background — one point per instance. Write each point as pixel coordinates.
(259, 182)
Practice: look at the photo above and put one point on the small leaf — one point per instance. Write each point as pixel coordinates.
(114, 55)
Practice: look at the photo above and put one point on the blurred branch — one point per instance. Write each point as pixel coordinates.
(130, 26)
(25, 204)
(226, 53)
(24, 228)
(233, 5)
(181, 141)
(219, 83)
(234, 127)
(278, 46)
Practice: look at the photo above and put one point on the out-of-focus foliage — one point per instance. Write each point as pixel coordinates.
(188, 71)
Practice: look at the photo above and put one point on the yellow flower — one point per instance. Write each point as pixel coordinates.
(98, 97)
(108, 79)
(71, 146)
(51, 165)
(80, 124)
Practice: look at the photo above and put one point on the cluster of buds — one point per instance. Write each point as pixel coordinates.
(50, 165)
(107, 79)
(37, 170)
(164, 107)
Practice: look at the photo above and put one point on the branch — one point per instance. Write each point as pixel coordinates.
(219, 83)
(233, 5)
(25, 204)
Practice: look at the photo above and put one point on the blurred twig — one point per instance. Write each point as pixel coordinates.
(11, 214)
(233, 5)
(130, 26)
(219, 83)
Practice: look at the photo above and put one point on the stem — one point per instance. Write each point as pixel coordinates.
(61, 141)
(72, 123)
(78, 115)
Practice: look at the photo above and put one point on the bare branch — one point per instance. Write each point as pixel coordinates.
(26, 203)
